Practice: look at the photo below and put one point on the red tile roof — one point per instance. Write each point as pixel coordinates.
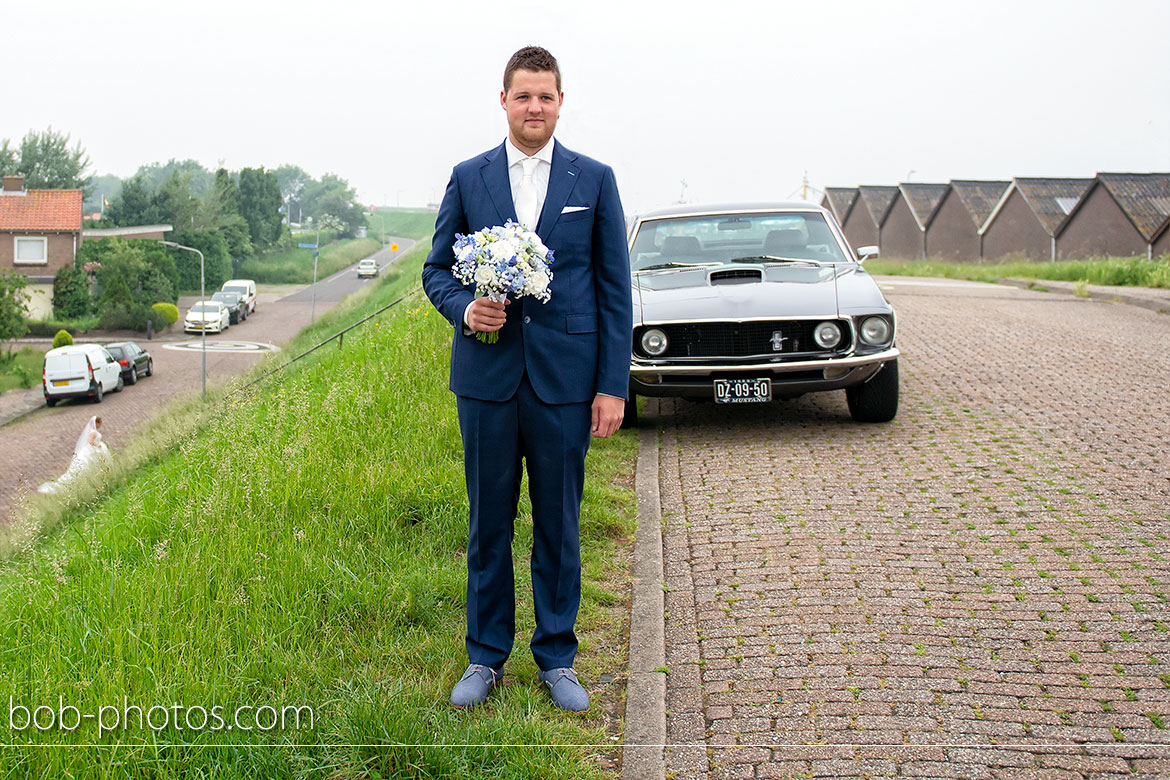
(40, 210)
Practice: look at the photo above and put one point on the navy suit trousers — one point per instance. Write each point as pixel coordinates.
(552, 440)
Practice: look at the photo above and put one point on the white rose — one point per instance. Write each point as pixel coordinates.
(485, 276)
(539, 282)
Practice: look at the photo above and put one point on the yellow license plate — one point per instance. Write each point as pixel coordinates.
(60, 382)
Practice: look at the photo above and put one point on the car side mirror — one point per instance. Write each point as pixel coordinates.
(866, 253)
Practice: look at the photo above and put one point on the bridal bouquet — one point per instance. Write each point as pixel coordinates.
(503, 262)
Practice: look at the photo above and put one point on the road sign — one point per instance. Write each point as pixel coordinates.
(394, 247)
(307, 246)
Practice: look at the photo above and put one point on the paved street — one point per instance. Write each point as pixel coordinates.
(977, 589)
(38, 446)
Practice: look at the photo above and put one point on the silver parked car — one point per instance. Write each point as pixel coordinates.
(742, 303)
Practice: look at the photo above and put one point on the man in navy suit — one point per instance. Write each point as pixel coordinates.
(558, 373)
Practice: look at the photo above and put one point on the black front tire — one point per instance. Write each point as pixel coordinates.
(133, 378)
(876, 400)
(630, 417)
(97, 395)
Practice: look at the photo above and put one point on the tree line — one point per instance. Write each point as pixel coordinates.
(229, 216)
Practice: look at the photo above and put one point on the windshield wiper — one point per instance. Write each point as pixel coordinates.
(774, 259)
(660, 266)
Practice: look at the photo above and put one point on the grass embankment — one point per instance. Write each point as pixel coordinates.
(21, 368)
(295, 266)
(301, 543)
(1121, 271)
(407, 223)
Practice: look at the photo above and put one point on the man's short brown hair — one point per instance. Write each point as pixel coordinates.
(531, 58)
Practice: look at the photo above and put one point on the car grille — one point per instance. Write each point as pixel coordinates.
(743, 339)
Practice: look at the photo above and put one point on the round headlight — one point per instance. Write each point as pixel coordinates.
(827, 335)
(875, 330)
(654, 342)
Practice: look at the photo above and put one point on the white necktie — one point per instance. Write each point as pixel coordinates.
(526, 195)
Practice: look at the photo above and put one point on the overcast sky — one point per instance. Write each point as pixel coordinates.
(737, 98)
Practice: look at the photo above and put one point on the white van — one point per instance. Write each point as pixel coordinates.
(79, 371)
(247, 290)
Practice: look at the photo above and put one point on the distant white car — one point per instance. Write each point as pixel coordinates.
(367, 268)
(79, 371)
(207, 317)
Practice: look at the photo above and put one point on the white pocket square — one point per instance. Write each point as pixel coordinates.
(571, 209)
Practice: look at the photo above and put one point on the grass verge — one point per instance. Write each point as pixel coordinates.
(295, 266)
(1112, 271)
(407, 223)
(21, 368)
(300, 544)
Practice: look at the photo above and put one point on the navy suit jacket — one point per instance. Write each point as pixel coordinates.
(576, 345)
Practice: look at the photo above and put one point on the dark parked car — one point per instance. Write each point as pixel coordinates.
(237, 310)
(741, 303)
(134, 360)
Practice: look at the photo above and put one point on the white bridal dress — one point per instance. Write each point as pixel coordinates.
(89, 452)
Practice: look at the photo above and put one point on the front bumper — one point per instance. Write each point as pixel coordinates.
(695, 380)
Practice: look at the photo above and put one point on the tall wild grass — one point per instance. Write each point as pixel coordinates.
(301, 543)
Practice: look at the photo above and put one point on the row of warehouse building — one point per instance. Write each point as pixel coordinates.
(1112, 214)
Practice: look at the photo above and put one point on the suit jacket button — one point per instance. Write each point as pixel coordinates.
(527, 320)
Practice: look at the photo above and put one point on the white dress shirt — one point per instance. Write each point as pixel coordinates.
(539, 176)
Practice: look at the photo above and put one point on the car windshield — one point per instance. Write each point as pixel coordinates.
(202, 308)
(116, 352)
(228, 298)
(676, 242)
(241, 291)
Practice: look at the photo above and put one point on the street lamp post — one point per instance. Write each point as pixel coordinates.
(202, 296)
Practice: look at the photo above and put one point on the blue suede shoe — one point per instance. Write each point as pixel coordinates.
(472, 688)
(566, 692)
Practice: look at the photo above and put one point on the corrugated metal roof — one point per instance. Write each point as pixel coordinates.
(840, 200)
(878, 199)
(979, 197)
(1144, 197)
(1042, 196)
(923, 200)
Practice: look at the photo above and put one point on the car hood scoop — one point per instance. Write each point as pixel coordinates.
(736, 276)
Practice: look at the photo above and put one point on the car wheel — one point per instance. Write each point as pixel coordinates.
(133, 378)
(150, 367)
(630, 420)
(118, 387)
(97, 396)
(877, 399)
(50, 402)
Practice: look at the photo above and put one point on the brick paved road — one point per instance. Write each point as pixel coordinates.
(39, 446)
(985, 578)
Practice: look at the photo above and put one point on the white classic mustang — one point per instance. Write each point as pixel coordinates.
(739, 303)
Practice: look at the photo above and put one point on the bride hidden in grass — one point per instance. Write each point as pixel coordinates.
(89, 452)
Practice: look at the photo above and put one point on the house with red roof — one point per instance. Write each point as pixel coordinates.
(40, 230)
